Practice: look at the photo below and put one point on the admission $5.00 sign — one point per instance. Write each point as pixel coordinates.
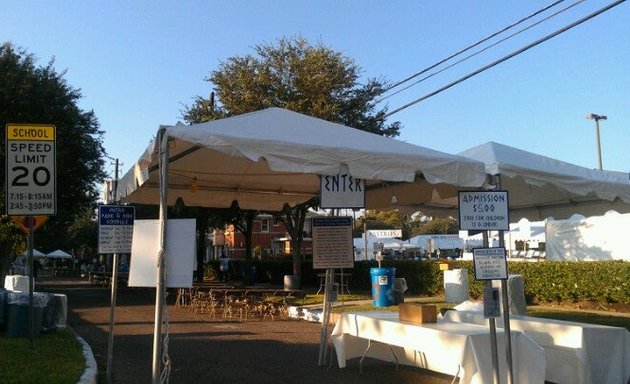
(30, 170)
(483, 211)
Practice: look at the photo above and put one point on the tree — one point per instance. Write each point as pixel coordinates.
(83, 234)
(293, 219)
(11, 241)
(396, 220)
(293, 74)
(40, 95)
(242, 220)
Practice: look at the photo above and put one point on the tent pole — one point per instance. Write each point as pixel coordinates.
(493, 325)
(506, 308)
(159, 288)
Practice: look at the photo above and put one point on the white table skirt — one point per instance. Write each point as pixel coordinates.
(576, 353)
(442, 347)
(16, 283)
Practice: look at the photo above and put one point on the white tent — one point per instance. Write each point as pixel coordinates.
(273, 157)
(438, 241)
(36, 253)
(539, 186)
(589, 238)
(59, 254)
(390, 244)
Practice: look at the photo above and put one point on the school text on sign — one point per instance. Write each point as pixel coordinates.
(30, 170)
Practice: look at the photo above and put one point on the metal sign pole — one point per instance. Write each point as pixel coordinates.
(506, 320)
(112, 307)
(493, 326)
(323, 341)
(31, 283)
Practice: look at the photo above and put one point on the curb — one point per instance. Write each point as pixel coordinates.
(90, 374)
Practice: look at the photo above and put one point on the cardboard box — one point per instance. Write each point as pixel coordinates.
(417, 313)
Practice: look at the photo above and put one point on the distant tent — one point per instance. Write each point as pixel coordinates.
(591, 238)
(36, 253)
(59, 254)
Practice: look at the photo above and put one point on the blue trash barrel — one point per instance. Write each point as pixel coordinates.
(382, 286)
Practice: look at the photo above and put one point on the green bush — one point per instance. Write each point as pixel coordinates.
(556, 281)
(545, 281)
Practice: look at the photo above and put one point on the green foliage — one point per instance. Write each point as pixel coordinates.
(55, 358)
(83, 234)
(422, 277)
(40, 95)
(293, 74)
(11, 240)
(377, 219)
(545, 281)
(579, 317)
(555, 281)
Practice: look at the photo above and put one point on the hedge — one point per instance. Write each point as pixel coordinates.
(545, 281)
(557, 281)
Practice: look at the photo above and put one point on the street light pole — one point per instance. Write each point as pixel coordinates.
(597, 118)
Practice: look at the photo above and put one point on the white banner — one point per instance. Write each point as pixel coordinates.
(384, 233)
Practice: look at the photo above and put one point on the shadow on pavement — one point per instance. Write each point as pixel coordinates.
(207, 350)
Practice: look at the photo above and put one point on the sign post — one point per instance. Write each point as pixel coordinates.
(31, 184)
(115, 232)
(488, 211)
(30, 173)
(332, 248)
(483, 211)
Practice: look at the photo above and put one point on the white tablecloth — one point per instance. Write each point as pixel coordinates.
(443, 347)
(576, 353)
(17, 283)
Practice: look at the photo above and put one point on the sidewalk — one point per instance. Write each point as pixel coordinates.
(206, 350)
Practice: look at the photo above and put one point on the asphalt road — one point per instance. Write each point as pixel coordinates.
(207, 350)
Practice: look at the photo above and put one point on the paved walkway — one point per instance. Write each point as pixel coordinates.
(206, 350)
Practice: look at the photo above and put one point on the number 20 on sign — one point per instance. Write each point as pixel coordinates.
(30, 172)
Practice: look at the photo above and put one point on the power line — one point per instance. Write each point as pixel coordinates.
(482, 50)
(472, 46)
(505, 58)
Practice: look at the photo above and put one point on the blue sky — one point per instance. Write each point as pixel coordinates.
(138, 63)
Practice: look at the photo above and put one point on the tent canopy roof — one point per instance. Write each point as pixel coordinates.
(540, 186)
(59, 254)
(36, 253)
(267, 158)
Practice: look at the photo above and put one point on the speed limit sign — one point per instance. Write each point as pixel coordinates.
(30, 173)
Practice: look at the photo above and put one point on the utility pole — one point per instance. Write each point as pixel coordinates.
(115, 186)
(597, 118)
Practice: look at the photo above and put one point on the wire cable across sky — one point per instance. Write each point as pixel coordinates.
(480, 51)
(505, 58)
(471, 46)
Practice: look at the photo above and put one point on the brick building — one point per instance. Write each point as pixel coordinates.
(269, 239)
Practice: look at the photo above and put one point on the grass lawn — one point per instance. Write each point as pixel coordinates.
(55, 358)
(580, 317)
(535, 311)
